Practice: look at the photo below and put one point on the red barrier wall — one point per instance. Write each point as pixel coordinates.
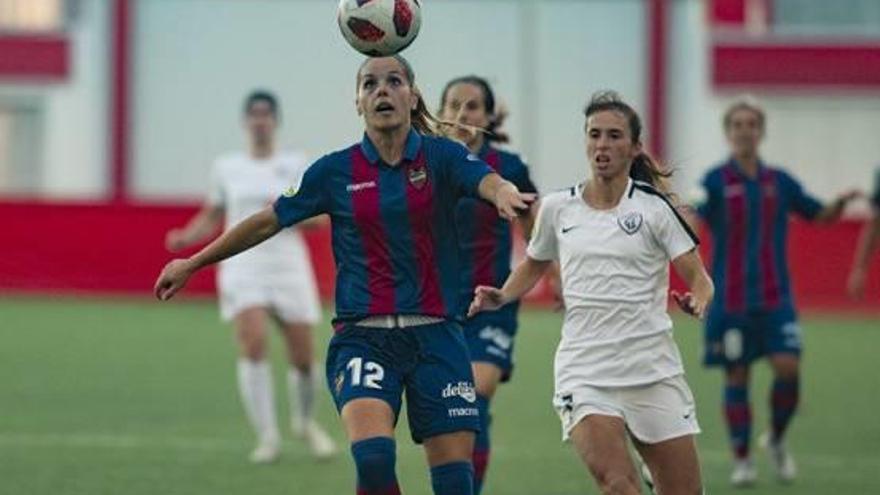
(118, 248)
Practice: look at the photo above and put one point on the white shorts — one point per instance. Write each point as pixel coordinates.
(291, 302)
(653, 413)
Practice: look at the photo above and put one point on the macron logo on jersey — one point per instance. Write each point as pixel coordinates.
(360, 186)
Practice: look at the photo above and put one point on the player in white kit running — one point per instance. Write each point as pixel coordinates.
(618, 371)
(272, 281)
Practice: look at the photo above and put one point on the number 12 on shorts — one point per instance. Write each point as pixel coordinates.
(367, 374)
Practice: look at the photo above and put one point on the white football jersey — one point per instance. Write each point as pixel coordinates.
(615, 277)
(243, 185)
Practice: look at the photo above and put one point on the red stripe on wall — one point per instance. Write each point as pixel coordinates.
(34, 57)
(735, 288)
(727, 11)
(796, 66)
(120, 87)
(769, 270)
(420, 204)
(658, 20)
(368, 219)
(80, 247)
(123, 252)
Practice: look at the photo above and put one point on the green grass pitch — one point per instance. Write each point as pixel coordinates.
(130, 397)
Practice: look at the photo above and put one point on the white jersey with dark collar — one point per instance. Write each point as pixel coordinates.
(615, 277)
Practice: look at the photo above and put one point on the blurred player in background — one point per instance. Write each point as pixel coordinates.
(618, 370)
(271, 282)
(867, 246)
(486, 243)
(391, 199)
(747, 207)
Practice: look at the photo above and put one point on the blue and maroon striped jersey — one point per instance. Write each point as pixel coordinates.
(748, 219)
(483, 236)
(393, 228)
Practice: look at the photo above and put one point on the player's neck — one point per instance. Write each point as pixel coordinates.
(477, 144)
(748, 164)
(262, 151)
(604, 193)
(390, 144)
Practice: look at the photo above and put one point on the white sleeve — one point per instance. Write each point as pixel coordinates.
(543, 246)
(216, 194)
(671, 231)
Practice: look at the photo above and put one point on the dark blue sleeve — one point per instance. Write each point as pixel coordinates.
(802, 202)
(708, 201)
(875, 199)
(464, 169)
(305, 200)
(520, 176)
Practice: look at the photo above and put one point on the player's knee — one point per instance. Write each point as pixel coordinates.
(374, 460)
(618, 483)
(611, 479)
(737, 376)
(253, 350)
(303, 364)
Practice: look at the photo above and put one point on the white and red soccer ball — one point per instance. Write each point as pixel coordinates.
(379, 28)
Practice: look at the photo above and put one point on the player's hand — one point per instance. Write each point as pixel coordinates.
(175, 240)
(173, 278)
(850, 195)
(855, 283)
(511, 203)
(690, 304)
(485, 299)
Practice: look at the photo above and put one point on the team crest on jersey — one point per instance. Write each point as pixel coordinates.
(418, 176)
(631, 222)
(289, 192)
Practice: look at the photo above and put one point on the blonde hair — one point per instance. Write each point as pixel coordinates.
(422, 119)
(745, 102)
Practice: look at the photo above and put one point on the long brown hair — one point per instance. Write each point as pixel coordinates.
(422, 118)
(644, 167)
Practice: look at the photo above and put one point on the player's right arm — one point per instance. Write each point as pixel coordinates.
(203, 225)
(250, 232)
(523, 278)
(541, 253)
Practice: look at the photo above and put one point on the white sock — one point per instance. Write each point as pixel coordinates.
(301, 390)
(255, 387)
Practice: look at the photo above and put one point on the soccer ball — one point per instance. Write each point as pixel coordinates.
(379, 28)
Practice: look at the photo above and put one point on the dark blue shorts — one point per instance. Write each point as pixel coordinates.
(428, 363)
(490, 339)
(740, 338)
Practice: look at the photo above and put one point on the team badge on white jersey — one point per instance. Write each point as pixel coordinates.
(631, 222)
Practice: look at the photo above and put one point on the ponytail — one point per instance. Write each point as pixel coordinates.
(424, 121)
(646, 168)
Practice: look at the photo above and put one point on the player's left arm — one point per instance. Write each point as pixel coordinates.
(832, 211)
(690, 268)
(810, 208)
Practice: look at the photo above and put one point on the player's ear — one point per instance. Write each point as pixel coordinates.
(358, 107)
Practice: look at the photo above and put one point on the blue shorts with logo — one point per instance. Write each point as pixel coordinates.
(740, 338)
(490, 337)
(428, 363)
